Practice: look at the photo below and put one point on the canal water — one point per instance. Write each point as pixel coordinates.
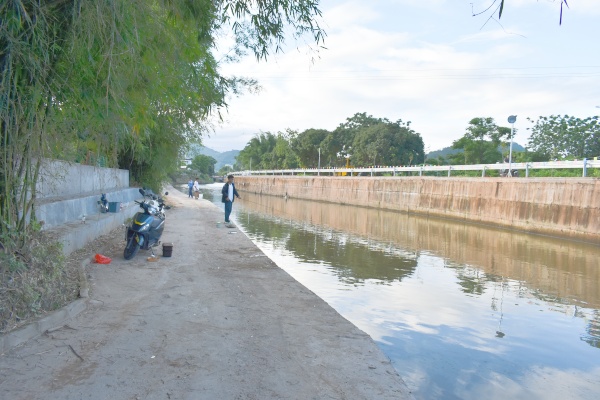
(463, 311)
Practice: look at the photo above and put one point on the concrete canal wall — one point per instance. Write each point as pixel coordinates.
(557, 207)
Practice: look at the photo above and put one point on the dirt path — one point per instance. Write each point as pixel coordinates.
(218, 320)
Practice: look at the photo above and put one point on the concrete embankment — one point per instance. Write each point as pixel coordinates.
(558, 207)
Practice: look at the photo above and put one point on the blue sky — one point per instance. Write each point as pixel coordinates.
(429, 62)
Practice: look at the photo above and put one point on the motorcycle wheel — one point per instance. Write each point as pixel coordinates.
(131, 249)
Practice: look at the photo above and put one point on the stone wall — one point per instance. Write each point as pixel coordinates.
(567, 207)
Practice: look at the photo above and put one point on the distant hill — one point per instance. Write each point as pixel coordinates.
(224, 158)
(446, 151)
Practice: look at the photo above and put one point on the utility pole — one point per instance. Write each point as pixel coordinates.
(512, 119)
(319, 166)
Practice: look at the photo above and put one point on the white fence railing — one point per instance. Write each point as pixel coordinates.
(582, 165)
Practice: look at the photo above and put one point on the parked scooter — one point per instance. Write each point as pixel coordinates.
(147, 226)
(506, 173)
(103, 203)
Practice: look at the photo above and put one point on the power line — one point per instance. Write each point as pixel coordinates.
(446, 73)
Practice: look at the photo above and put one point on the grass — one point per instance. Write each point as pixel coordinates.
(35, 285)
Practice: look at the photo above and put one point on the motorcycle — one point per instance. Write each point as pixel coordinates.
(506, 173)
(147, 225)
(103, 203)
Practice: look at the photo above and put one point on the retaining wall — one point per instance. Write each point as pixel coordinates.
(60, 179)
(67, 197)
(559, 207)
(56, 213)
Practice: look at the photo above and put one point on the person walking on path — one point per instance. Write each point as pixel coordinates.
(190, 188)
(228, 192)
(196, 188)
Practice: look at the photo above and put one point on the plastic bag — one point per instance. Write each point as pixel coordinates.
(100, 259)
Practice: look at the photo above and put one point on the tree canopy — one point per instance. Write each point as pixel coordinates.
(363, 138)
(121, 83)
(481, 142)
(204, 164)
(564, 137)
(269, 151)
(387, 143)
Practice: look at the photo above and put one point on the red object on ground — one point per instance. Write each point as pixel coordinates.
(100, 259)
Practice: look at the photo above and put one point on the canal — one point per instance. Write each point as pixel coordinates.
(463, 311)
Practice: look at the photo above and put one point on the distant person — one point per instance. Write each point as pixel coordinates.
(228, 193)
(191, 188)
(196, 188)
(505, 172)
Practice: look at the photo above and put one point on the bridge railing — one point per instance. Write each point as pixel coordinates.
(583, 165)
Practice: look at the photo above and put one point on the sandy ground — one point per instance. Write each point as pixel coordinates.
(217, 320)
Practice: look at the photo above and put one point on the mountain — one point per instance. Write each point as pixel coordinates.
(446, 151)
(224, 158)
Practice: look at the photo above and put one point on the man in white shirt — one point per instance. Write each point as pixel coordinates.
(196, 189)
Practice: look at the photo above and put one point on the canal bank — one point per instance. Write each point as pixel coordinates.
(217, 320)
(563, 207)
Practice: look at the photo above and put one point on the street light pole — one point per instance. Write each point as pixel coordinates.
(319, 166)
(512, 119)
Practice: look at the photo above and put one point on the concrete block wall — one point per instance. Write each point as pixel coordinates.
(568, 207)
(67, 191)
(75, 235)
(60, 179)
(62, 211)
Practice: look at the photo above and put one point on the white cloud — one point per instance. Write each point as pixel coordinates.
(537, 383)
(438, 79)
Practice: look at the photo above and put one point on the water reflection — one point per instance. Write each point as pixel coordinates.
(555, 267)
(353, 260)
(462, 311)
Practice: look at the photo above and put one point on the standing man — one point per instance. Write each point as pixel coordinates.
(190, 187)
(228, 192)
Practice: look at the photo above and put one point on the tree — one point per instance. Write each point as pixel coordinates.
(338, 144)
(204, 164)
(256, 154)
(562, 137)
(283, 155)
(306, 146)
(268, 151)
(224, 170)
(387, 143)
(480, 142)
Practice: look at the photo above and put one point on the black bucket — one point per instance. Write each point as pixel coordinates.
(167, 249)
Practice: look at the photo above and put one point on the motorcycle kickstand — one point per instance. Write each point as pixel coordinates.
(152, 249)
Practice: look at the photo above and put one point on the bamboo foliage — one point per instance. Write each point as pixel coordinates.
(29, 37)
(121, 83)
